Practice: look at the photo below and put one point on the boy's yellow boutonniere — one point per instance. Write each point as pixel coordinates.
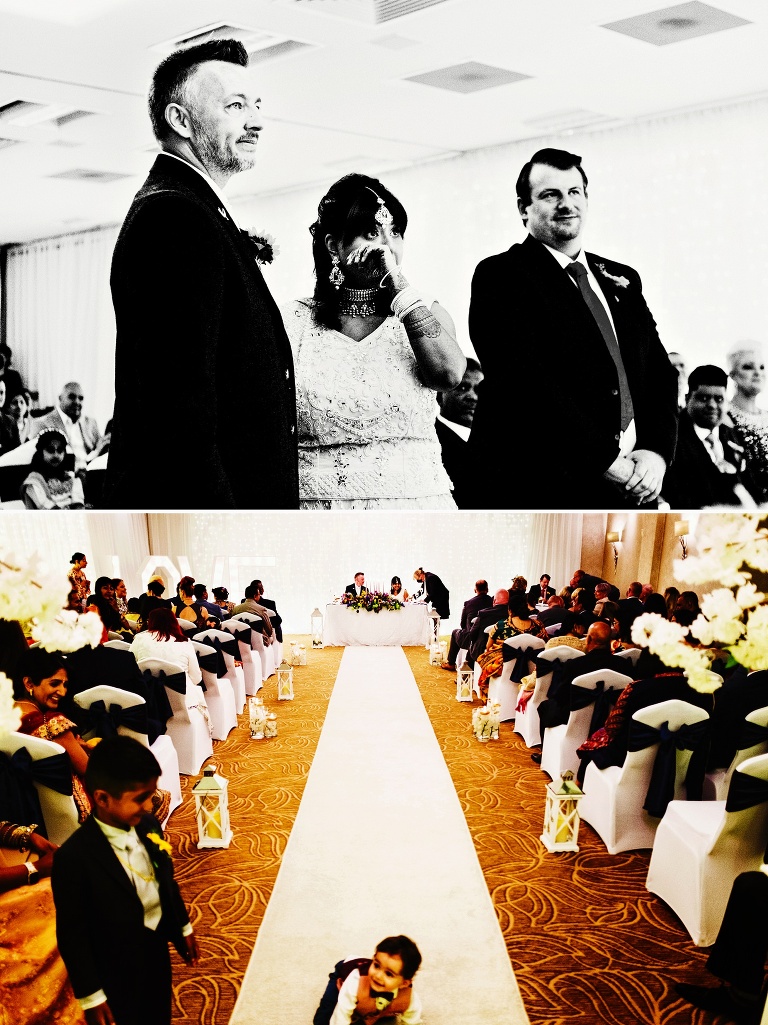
(161, 844)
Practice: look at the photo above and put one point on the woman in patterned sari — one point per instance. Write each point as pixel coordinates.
(517, 622)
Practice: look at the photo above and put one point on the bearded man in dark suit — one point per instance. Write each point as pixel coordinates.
(460, 636)
(556, 328)
(195, 319)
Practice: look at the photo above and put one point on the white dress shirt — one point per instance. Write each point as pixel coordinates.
(347, 1003)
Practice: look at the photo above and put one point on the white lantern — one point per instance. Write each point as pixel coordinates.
(465, 679)
(257, 717)
(435, 655)
(270, 727)
(284, 682)
(212, 809)
(317, 629)
(302, 655)
(561, 814)
(434, 627)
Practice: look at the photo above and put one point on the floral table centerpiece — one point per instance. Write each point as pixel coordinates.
(371, 601)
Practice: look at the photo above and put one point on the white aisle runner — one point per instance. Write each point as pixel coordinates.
(380, 846)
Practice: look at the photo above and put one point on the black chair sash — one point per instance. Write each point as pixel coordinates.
(745, 791)
(19, 800)
(255, 623)
(230, 646)
(208, 660)
(661, 789)
(521, 658)
(751, 733)
(221, 665)
(241, 631)
(603, 698)
(161, 700)
(103, 721)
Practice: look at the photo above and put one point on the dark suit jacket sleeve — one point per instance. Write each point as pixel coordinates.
(171, 269)
(73, 897)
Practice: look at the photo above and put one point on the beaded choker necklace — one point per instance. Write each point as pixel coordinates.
(358, 302)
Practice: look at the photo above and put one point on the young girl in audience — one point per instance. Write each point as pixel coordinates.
(51, 483)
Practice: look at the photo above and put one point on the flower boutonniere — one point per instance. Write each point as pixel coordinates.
(162, 845)
(617, 279)
(265, 246)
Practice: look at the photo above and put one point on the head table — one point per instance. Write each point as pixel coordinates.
(407, 627)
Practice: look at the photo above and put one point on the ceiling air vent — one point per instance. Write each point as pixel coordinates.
(675, 24)
(388, 10)
(73, 115)
(260, 45)
(80, 174)
(469, 77)
(281, 49)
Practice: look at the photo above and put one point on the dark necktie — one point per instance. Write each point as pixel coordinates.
(579, 274)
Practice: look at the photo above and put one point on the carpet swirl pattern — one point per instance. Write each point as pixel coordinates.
(588, 943)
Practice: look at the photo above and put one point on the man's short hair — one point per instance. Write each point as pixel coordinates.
(602, 587)
(199, 590)
(172, 75)
(708, 376)
(118, 764)
(250, 591)
(359, 574)
(545, 576)
(635, 589)
(156, 587)
(405, 949)
(481, 586)
(558, 158)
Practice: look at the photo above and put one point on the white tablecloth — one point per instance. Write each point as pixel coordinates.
(408, 626)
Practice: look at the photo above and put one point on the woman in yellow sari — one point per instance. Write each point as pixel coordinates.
(517, 622)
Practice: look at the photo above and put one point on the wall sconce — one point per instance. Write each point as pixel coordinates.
(613, 537)
(681, 533)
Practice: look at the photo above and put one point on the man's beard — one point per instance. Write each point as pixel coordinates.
(215, 155)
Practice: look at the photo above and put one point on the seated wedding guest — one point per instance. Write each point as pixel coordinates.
(117, 903)
(434, 591)
(588, 582)
(518, 622)
(17, 407)
(460, 636)
(362, 990)
(39, 688)
(152, 599)
(555, 613)
(188, 607)
(688, 600)
(8, 376)
(164, 639)
(541, 593)
(630, 607)
(604, 607)
(52, 482)
(572, 635)
(742, 692)
(358, 586)
(655, 603)
(746, 368)
(249, 604)
(478, 638)
(671, 594)
(453, 424)
(77, 578)
(370, 352)
(737, 955)
(103, 601)
(9, 431)
(710, 466)
(221, 598)
(556, 708)
(276, 620)
(121, 604)
(201, 595)
(580, 601)
(566, 594)
(81, 432)
(396, 589)
(34, 980)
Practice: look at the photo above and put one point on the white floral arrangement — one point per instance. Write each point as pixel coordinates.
(10, 717)
(485, 722)
(731, 548)
(69, 631)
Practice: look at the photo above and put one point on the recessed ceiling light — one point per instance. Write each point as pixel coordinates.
(468, 77)
(675, 24)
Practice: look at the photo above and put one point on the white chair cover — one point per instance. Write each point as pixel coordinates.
(506, 688)
(162, 747)
(267, 652)
(235, 673)
(253, 669)
(118, 645)
(614, 797)
(699, 850)
(59, 811)
(219, 696)
(188, 727)
(527, 721)
(562, 742)
(716, 783)
(631, 654)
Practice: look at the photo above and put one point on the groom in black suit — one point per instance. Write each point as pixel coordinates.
(198, 333)
(566, 336)
(358, 587)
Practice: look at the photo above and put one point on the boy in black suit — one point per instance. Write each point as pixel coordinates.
(117, 903)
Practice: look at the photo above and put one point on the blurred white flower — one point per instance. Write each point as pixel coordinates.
(69, 631)
(27, 590)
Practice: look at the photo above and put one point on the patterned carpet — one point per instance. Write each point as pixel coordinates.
(588, 943)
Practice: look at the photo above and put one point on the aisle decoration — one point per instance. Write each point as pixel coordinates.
(465, 679)
(257, 717)
(561, 814)
(212, 810)
(317, 628)
(36, 599)
(371, 601)
(733, 548)
(485, 722)
(284, 682)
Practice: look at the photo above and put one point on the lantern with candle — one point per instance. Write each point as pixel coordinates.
(212, 809)
(561, 814)
(284, 682)
(464, 683)
(317, 629)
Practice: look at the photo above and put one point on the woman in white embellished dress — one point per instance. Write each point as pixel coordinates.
(746, 368)
(370, 353)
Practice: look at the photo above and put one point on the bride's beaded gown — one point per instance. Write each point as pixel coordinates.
(366, 422)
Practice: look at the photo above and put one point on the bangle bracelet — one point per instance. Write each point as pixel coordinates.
(406, 300)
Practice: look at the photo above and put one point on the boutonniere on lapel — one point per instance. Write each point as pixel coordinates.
(619, 280)
(264, 245)
(163, 846)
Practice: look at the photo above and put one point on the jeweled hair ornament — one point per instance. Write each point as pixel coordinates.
(382, 215)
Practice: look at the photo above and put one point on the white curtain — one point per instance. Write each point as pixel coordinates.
(60, 322)
(555, 547)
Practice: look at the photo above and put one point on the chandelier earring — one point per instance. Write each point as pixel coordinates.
(336, 277)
